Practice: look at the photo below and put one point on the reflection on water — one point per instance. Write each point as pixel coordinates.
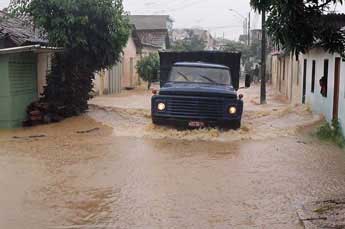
(113, 182)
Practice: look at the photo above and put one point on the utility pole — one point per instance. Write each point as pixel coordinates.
(263, 59)
(248, 29)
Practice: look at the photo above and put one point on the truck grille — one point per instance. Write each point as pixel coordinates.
(195, 107)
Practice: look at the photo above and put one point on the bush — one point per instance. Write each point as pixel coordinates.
(148, 68)
(93, 34)
(332, 133)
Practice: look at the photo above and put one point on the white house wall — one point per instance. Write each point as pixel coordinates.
(286, 80)
(317, 102)
(43, 68)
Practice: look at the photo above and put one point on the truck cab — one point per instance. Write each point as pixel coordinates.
(198, 94)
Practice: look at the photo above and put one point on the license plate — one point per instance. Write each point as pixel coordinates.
(196, 124)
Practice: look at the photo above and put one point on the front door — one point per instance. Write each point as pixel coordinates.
(336, 88)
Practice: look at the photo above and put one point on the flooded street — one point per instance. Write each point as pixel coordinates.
(112, 169)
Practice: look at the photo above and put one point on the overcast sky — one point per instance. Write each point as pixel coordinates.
(213, 15)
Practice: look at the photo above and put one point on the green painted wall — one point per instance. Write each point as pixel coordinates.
(5, 100)
(18, 87)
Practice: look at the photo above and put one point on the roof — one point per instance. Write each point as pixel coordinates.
(203, 52)
(18, 31)
(30, 48)
(154, 39)
(200, 65)
(150, 22)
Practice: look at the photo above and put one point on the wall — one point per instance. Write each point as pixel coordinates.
(286, 77)
(99, 83)
(130, 76)
(318, 103)
(121, 75)
(292, 85)
(43, 68)
(18, 87)
(22, 71)
(5, 100)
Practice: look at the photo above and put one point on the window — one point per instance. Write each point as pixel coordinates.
(203, 75)
(324, 79)
(313, 77)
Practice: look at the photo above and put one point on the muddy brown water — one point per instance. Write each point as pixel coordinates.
(112, 169)
(134, 183)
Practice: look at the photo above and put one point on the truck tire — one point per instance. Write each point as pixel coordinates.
(157, 122)
(236, 125)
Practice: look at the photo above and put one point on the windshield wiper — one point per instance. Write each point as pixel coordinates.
(208, 79)
(184, 76)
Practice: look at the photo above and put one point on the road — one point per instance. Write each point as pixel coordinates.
(112, 169)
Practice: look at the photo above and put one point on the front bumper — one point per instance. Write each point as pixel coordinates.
(181, 110)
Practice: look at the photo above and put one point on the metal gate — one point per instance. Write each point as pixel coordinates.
(115, 78)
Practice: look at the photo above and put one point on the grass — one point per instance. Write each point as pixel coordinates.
(332, 133)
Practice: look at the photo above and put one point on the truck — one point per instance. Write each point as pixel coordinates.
(198, 89)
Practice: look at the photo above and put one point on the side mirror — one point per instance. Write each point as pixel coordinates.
(240, 96)
(248, 81)
(154, 91)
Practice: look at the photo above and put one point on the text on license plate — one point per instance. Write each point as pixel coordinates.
(196, 124)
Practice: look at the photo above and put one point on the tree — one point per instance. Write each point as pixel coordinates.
(249, 53)
(148, 68)
(298, 25)
(192, 42)
(92, 33)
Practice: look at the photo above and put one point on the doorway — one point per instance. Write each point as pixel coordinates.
(336, 88)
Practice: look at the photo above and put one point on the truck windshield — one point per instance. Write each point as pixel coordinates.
(182, 74)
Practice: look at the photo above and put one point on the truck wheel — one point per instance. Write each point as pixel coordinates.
(236, 125)
(156, 122)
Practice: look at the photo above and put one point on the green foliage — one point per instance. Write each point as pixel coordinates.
(19, 7)
(332, 133)
(249, 53)
(260, 5)
(192, 42)
(148, 68)
(298, 25)
(92, 33)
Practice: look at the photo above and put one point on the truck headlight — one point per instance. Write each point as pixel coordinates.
(161, 106)
(232, 110)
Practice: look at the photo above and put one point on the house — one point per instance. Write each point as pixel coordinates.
(204, 35)
(123, 74)
(153, 32)
(298, 79)
(150, 34)
(24, 63)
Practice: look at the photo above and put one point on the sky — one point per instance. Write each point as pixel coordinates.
(220, 17)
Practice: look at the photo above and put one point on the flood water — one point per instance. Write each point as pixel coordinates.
(62, 176)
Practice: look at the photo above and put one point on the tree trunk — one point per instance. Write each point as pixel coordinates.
(263, 60)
